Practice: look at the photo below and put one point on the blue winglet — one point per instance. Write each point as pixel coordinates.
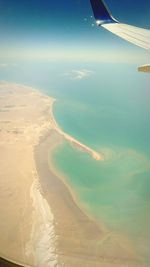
(101, 13)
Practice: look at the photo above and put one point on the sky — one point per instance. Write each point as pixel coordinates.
(66, 29)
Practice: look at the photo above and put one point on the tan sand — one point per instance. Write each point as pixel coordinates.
(40, 224)
(26, 222)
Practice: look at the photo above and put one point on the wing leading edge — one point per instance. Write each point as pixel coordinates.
(135, 35)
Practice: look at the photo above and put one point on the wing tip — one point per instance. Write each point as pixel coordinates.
(101, 13)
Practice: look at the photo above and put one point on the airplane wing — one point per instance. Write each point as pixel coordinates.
(135, 35)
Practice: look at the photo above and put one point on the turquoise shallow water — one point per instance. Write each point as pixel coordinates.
(113, 118)
(115, 190)
(110, 112)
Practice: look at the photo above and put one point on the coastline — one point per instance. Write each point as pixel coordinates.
(25, 213)
(45, 226)
(78, 144)
(80, 240)
(63, 178)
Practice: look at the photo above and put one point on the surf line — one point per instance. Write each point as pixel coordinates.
(97, 156)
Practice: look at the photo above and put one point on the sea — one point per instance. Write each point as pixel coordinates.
(106, 107)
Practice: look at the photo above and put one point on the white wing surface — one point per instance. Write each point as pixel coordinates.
(135, 35)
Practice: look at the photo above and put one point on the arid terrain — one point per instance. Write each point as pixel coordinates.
(40, 223)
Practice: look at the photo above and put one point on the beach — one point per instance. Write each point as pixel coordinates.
(23, 209)
(41, 224)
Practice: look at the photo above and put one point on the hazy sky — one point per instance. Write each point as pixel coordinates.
(37, 28)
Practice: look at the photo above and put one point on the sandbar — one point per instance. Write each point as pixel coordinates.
(40, 223)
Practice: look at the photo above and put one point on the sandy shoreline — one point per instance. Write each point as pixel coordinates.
(80, 241)
(85, 148)
(25, 214)
(42, 225)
